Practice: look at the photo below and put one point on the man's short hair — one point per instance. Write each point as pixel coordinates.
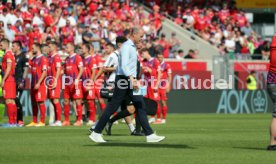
(53, 42)
(134, 30)
(180, 51)
(71, 44)
(5, 40)
(110, 44)
(38, 45)
(88, 46)
(145, 50)
(120, 39)
(159, 53)
(18, 43)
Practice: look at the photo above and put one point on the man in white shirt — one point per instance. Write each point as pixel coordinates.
(63, 18)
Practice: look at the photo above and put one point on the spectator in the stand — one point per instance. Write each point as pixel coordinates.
(200, 22)
(250, 45)
(230, 43)
(5, 16)
(67, 33)
(157, 18)
(264, 50)
(224, 13)
(96, 39)
(27, 15)
(189, 20)
(178, 20)
(247, 29)
(175, 43)
(87, 35)
(63, 18)
(191, 55)
(180, 55)
(78, 35)
(241, 19)
(165, 45)
(38, 20)
(9, 32)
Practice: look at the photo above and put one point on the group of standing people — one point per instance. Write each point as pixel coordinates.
(51, 75)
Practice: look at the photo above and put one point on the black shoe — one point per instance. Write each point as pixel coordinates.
(135, 133)
(108, 128)
(271, 147)
(84, 118)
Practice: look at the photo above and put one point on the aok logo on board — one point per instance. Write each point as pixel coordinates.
(238, 102)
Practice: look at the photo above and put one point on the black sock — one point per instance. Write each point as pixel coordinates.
(138, 127)
(120, 115)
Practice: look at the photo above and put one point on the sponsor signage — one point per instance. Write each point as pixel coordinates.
(251, 66)
(220, 101)
(256, 4)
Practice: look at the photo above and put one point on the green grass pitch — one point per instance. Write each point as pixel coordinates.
(191, 139)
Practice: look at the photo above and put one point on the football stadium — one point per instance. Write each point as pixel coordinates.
(137, 81)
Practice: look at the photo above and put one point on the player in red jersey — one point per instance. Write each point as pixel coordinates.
(88, 87)
(8, 82)
(73, 84)
(152, 75)
(163, 89)
(98, 82)
(271, 88)
(54, 81)
(38, 65)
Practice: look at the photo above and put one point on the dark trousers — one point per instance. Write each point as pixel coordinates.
(116, 101)
(271, 89)
(19, 105)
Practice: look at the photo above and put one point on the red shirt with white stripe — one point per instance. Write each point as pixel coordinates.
(72, 65)
(9, 58)
(38, 64)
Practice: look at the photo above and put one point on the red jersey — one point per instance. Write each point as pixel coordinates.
(54, 64)
(8, 58)
(69, 37)
(241, 20)
(72, 65)
(166, 45)
(88, 63)
(38, 64)
(165, 69)
(27, 17)
(200, 23)
(99, 61)
(224, 14)
(36, 35)
(154, 65)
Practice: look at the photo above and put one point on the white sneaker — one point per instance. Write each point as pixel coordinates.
(163, 121)
(96, 137)
(90, 123)
(151, 120)
(123, 121)
(116, 123)
(155, 138)
(58, 123)
(52, 124)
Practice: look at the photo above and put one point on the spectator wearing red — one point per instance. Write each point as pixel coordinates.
(241, 19)
(67, 33)
(224, 13)
(157, 18)
(200, 22)
(34, 36)
(28, 16)
(165, 45)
